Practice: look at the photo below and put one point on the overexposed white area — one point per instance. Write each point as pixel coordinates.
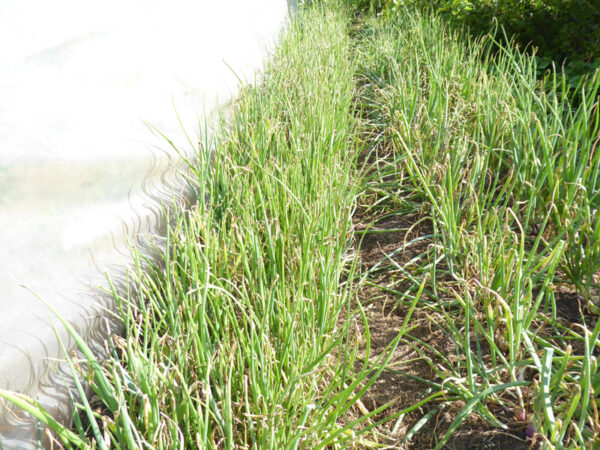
(82, 85)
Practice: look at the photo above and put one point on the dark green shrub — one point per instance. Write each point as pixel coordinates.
(564, 32)
(559, 29)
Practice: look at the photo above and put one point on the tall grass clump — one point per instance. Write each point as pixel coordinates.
(234, 337)
(507, 175)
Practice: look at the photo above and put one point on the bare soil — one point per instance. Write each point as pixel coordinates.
(399, 383)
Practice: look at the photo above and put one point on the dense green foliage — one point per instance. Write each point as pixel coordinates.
(565, 33)
(371, 6)
(560, 29)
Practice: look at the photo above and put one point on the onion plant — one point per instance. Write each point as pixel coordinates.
(239, 329)
(237, 334)
(507, 173)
